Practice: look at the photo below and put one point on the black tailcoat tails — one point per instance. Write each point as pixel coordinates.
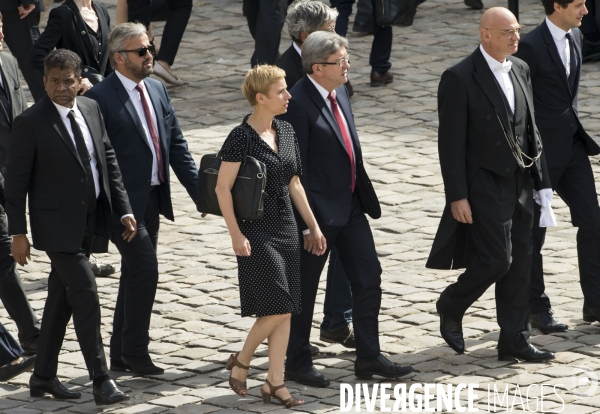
(567, 146)
(477, 164)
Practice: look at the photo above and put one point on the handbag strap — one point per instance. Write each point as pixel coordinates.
(248, 149)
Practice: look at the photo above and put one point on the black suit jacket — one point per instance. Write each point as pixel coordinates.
(471, 110)
(291, 62)
(64, 30)
(133, 149)
(556, 113)
(13, 5)
(43, 164)
(326, 175)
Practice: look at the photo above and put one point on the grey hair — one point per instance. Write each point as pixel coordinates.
(119, 35)
(319, 46)
(308, 16)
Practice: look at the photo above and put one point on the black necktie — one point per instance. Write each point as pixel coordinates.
(5, 99)
(573, 63)
(84, 156)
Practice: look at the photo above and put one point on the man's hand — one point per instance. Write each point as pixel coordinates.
(24, 11)
(461, 211)
(314, 242)
(21, 249)
(130, 228)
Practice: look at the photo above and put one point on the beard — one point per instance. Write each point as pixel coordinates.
(140, 71)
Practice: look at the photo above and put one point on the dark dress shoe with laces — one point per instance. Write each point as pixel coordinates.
(306, 376)
(451, 331)
(119, 366)
(529, 354)
(343, 336)
(474, 4)
(12, 370)
(590, 314)
(142, 365)
(381, 79)
(39, 388)
(546, 322)
(108, 394)
(380, 366)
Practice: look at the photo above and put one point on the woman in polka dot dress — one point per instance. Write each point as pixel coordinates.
(268, 250)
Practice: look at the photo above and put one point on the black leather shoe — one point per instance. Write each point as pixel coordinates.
(379, 366)
(30, 347)
(474, 4)
(546, 322)
(12, 370)
(314, 350)
(306, 376)
(119, 366)
(529, 354)
(39, 388)
(590, 314)
(451, 332)
(381, 79)
(108, 394)
(142, 365)
(343, 336)
(590, 50)
(350, 88)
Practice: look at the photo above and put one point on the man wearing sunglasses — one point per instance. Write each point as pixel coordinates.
(147, 139)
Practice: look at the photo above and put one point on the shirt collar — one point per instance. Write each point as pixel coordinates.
(63, 111)
(324, 93)
(557, 33)
(492, 63)
(128, 83)
(297, 48)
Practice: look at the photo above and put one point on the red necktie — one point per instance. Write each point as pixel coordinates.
(153, 133)
(345, 135)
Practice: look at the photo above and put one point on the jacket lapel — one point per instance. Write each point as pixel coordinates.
(57, 123)
(322, 105)
(124, 97)
(156, 103)
(298, 61)
(486, 79)
(344, 104)
(554, 54)
(94, 129)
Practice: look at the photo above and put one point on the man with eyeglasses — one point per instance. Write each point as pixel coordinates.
(147, 139)
(491, 159)
(553, 52)
(339, 193)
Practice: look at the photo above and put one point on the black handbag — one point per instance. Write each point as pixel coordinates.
(395, 12)
(248, 189)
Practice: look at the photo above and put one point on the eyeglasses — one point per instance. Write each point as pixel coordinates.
(508, 33)
(339, 62)
(141, 51)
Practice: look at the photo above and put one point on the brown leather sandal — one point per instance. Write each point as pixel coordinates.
(289, 403)
(236, 385)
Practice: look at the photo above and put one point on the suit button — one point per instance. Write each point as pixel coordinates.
(571, 124)
(360, 162)
(498, 143)
(81, 180)
(349, 187)
(488, 117)
(83, 203)
(148, 182)
(150, 160)
(508, 170)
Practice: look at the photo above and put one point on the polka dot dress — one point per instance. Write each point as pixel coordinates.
(270, 277)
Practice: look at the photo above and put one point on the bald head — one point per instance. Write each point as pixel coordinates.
(498, 32)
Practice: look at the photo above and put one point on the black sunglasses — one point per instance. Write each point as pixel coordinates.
(141, 51)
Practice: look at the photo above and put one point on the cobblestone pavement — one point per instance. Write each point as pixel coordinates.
(196, 322)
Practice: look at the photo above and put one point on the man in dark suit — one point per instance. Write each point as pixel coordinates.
(490, 158)
(59, 157)
(265, 21)
(12, 103)
(553, 52)
(145, 133)
(340, 193)
(21, 19)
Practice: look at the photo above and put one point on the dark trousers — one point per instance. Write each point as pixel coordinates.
(356, 247)
(9, 348)
(11, 290)
(137, 287)
(590, 23)
(177, 20)
(337, 309)
(71, 291)
(19, 39)
(575, 185)
(381, 49)
(265, 21)
(502, 211)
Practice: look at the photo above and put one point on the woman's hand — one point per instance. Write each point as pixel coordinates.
(241, 245)
(315, 242)
(85, 86)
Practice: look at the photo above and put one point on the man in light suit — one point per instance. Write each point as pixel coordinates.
(145, 133)
(60, 158)
(340, 193)
(491, 158)
(12, 103)
(553, 52)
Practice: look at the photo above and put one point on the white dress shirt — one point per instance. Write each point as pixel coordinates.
(134, 95)
(562, 44)
(297, 48)
(63, 111)
(502, 77)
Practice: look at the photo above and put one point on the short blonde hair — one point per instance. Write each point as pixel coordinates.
(259, 80)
